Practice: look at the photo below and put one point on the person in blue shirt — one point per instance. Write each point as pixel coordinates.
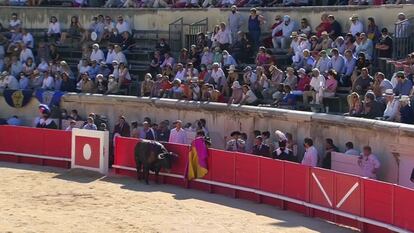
(23, 81)
(403, 86)
(289, 100)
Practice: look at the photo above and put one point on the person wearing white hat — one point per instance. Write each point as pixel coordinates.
(237, 93)
(195, 90)
(120, 56)
(356, 25)
(97, 54)
(402, 26)
(406, 110)
(235, 22)
(110, 55)
(228, 60)
(287, 28)
(393, 105)
(316, 88)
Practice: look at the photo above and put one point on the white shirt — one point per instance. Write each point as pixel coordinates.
(317, 83)
(43, 66)
(28, 40)
(216, 76)
(311, 157)
(356, 27)
(48, 83)
(250, 97)
(110, 56)
(352, 152)
(12, 83)
(25, 54)
(97, 55)
(178, 136)
(120, 56)
(392, 109)
(54, 28)
(180, 75)
(368, 164)
(223, 37)
(15, 23)
(123, 27)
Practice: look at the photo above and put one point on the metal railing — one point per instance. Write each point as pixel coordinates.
(403, 38)
(194, 29)
(175, 32)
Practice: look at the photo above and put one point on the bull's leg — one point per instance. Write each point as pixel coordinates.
(139, 165)
(146, 174)
(157, 171)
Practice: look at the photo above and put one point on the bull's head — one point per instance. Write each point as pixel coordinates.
(166, 159)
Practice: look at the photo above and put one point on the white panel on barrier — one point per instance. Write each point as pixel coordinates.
(345, 163)
(90, 150)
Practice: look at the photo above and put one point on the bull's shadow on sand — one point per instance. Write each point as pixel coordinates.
(287, 219)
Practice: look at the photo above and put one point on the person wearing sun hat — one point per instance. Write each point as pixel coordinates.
(392, 107)
(356, 25)
(237, 93)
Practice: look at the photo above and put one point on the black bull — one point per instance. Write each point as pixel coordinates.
(151, 155)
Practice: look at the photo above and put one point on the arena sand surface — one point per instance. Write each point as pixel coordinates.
(43, 199)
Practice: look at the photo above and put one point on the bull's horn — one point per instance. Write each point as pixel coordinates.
(161, 156)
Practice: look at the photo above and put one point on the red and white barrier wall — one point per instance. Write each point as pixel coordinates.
(35, 146)
(369, 205)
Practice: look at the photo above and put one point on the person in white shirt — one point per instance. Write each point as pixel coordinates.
(120, 56)
(235, 22)
(111, 55)
(83, 66)
(14, 23)
(350, 149)
(287, 28)
(369, 163)
(28, 39)
(53, 30)
(25, 54)
(123, 26)
(71, 126)
(217, 74)
(356, 25)
(402, 27)
(317, 83)
(10, 82)
(180, 74)
(97, 54)
(178, 134)
(311, 154)
(43, 66)
(223, 36)
(48, 81)
(393, 106)
(249, 97)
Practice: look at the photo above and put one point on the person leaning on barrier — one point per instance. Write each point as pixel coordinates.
(236, 143)
(369, 163)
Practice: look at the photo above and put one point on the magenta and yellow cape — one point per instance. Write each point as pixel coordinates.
(197, 159)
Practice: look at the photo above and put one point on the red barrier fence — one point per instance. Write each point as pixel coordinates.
(370, 205)
(35, 146)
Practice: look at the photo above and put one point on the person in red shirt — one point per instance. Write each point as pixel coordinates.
(267, 42)
(325, 25)
(303, 83)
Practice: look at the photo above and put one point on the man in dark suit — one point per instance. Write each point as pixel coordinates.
(122, 128)
(260, 148)
(284, 153)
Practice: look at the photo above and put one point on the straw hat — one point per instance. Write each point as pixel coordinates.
(388, 92)
(236, 85)
(232, 68)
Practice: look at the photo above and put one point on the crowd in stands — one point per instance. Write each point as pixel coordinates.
(227, 65)
(198, 3)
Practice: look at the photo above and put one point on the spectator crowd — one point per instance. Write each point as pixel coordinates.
(226, 65)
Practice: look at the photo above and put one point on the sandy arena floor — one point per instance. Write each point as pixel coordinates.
(43, 199)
